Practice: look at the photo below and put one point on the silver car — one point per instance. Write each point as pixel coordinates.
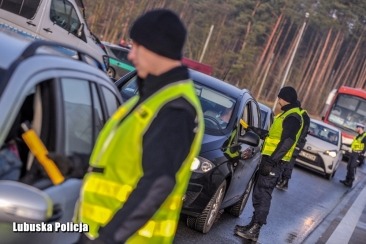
(66, 102)
(322, 151)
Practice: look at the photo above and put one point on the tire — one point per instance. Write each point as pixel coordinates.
(111, 72)
(207, 218)
(237, 209)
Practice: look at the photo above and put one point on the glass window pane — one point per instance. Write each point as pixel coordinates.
(111, 100)
(24, 8)
(78, 116)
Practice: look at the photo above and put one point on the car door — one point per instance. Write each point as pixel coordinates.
(60, 21)
(247, 165)
(68, 114)
(83, 108)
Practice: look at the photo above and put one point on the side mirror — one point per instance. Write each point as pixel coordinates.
(250, 138)
(23, 203)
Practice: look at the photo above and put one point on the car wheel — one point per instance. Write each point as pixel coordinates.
(111, 72)
(238, 207)
(204, 222)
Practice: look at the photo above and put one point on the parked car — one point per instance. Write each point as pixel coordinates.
(54, 20)
(67, 101)
(267, 116)
(119, 64)
(223, 175)
(322, 151)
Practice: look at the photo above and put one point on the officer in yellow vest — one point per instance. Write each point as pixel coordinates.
(140, 165)
(277, 149)
(358, 148)
(288, 168)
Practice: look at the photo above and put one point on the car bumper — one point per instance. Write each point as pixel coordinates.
(318, 162)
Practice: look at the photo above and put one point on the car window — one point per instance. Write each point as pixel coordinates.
(63, 14)
(24, 8)
(324, 133)
(79, 115)
(111, 101)
(263, 118)
(255, 121)
(217, 107)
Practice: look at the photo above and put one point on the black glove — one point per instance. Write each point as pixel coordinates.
(74, 166)
(63, 163)
(266, 166)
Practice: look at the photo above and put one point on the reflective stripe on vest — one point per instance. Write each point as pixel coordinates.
(103, 194)
(275, 133)
(357, 145)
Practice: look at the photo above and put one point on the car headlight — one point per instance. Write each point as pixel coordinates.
(201, 165)
(331, 153)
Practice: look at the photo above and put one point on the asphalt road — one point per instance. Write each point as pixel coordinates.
(294, 213)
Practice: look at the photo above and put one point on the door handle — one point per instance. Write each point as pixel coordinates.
(47, 30)
(31, 23)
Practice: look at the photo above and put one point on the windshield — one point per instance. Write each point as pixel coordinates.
(217, 108)
(347, 111)
(324, 133)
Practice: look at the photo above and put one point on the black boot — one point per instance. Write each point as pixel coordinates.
(244, 227)
(282, 185)
(346, 183)
(250, 234)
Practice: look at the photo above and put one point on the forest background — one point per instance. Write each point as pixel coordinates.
(312, 45)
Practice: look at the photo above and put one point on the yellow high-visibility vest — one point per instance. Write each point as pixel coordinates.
(275, 133)
(118, 151)
(357, 145)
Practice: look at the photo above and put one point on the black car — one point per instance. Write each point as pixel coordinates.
(223, 173)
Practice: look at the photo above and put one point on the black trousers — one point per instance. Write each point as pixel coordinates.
(352, 166)
(287, 167)
(262, 194)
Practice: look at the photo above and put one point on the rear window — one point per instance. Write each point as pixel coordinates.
(24, 8)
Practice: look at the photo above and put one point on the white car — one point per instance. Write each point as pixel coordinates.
(322, 151)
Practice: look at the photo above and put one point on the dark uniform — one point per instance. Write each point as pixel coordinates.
(277, 150)
(358, 148)
(287, 168)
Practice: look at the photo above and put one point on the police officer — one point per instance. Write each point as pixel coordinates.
(288, 167)
(277, 149)
(140, 165)
(358, 148)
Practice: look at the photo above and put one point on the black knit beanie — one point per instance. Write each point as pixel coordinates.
(160, 31)
(288, 94)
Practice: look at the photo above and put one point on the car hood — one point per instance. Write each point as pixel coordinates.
(317, 145)
(212, 142)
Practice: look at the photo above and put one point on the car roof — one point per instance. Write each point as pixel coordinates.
(11, 47)
(114, 46)
(325, 124)
(219, 85)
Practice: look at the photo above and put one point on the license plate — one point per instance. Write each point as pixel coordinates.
(308, 155)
